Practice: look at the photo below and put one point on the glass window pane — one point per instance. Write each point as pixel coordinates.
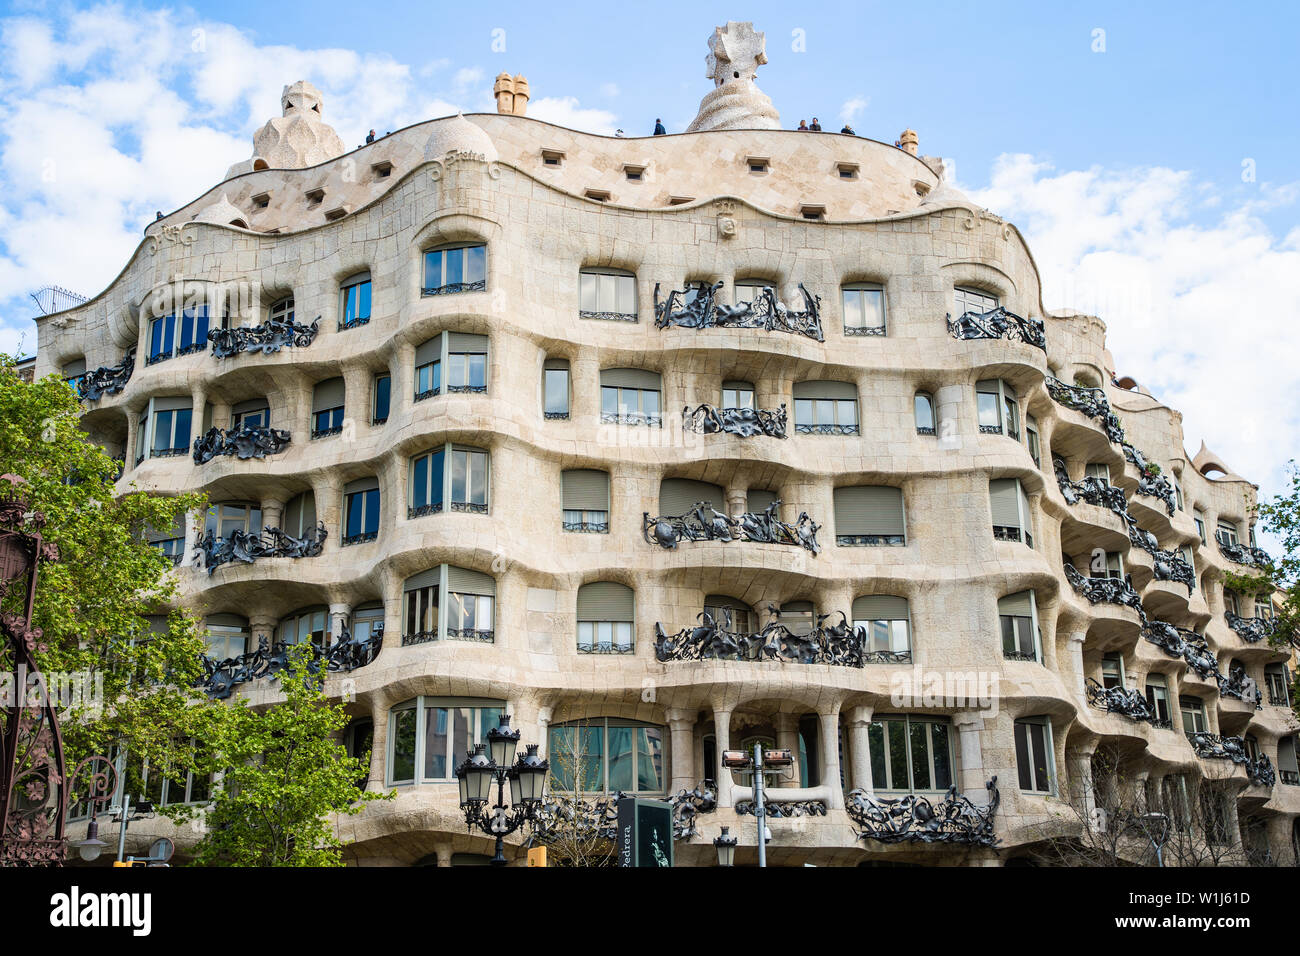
(587, 292)
(476, 264)
(873, 308)
(876, 744)
(355, 508)
(454, 266)
(898, 776)
(608, 400)
(372, 511)
(924, 412)
(626, 304)
(650, 402)
(460, 742)
(825, 411)
(557, 390)
(649, 759)
(459, 475)
(420, 482)
(620, 759)
(478, 370)
(803, 411)
(848, 411)
(402, 762)
(1038, 734)
(942, 756)
(988, 410)
(436, 740)
(852, 309)
(920, 740)
(432, 270)
(1022, 756)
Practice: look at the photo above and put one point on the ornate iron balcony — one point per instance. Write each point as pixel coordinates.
(745, 422)
(865, 330)
(631, 418)
(1252, 630)
(1244, 554)
(454, 288)
(419, 637)
(191, 349)
(766, 312)
(1107, 590)
(428, 393)
(887, 657)
(775, 807)
(1171, 566)
(167, 452)
(472, 389)
(1002, 533)
(870, 540)
(353, 323)
(838, 644)
(598, 818)
(1157, 486)
(479, 635)
(108, 379)
(1027, 657)
(555, 416)
(605, 647)
(990, 429)
(268, 338)
(826, 429)
(705, 523)
(1214, 747)
(1090, 489)
(1090, 402)
(587, 527)
(1278, 700)
(326, 432)
(432, 508)
(470, 507)
(607, 316)
(247, 547)
(1180, 642)
(914, 819)
(156, 357)
(997, 323)
(361, 538)
(1117, 700)
(246, 441)
(220, 678)
(1240, 687)
(924, 430)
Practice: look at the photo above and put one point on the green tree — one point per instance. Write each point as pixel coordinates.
(91, 604)
(1281, 516)
(283, 772)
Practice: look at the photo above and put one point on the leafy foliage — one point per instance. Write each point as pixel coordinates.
(1281, 516)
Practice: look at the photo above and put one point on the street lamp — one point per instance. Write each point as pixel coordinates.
(725, 844)
(758, 764)
(489, 763)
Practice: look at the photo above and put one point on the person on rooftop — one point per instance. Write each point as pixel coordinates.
(816, 127)
(848, 130)
(803, 126)
(370, 137)
(659, 128)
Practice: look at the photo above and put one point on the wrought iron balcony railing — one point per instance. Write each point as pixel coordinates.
(469, 507)
(1237, 685)
(247, 547)
(1104, 590)
(361, 538)
(427, 394)
(433, 508)
(1090, 402)
(605, 647)
(167, 452)
(455, 288)
(632, 418)
(326, 432)
(1003, 533)
(467, 389)
(1244, 554)
(705, 523)
(1024, 657)
(826, 428)
(774, 806)
(607, 316)
(840, 644)
(479, 635)
(346, 654)
(870, 540)
(246, 441)
(155, 358)
(555, 416)
(1155, 485)
(1172, 566)
(997, 323)
(1090, 489)
(1278, 700)
(268, 338)
(108, 379)
(914, 819)
(356, 323)
(1214, 747)
(697, 309)
(1252, 630)
(586, 527)
(745, 422)
(419, 637)
(575, 818)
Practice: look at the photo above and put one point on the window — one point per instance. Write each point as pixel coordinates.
(552, 157)
(555, 389)
(630, 396)
(355, 302)
(420, 607)
(282, 310)
(607, 294)
(923, 411)
(164, 429)
(798, 617)
(1275, 678)
(606, 617)
(1227, 533)
(826, 408)
(869, 516)
(1230, 603)
(1158, 698)
(428, 737)
(1012, 519)
(1034, 757)
(1113, 567)
(308, 625)
(190, 334)
(261, 200)
(864, 309)
(1099, 470)
(1288, 749)
(361, 511)
(812, 211)
(73, 373)
(1032, 440)
(253, 413)
(737, 395)
(1199, 518)
(468, 614)
(455, 269)
(382, 170)
(750, 289)
(1192, 711)
(163, 785)
(847, 170)
(598, 195)
(1178, 496)
(466, 362)
(299, 519)
(226, 635)
(679, 496)
(999, 413)
(886, 621)
(1112, 671)
(758, 500)
(584, 500)
(910, 753)
(327, 404)
(606, 755)
(428, 478)
(972, 300)
(731, 613)
(454, 473)
(469, 480)
(170, 541)
(1018, 620)
(758, 164)
(383, 393)
(428, 369)
(367, 621)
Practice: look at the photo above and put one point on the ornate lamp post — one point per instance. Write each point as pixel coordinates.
(725, 844)
(761, 762)
(101, 780)
(489, 763)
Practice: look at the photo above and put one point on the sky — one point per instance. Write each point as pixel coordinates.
(1147, 152)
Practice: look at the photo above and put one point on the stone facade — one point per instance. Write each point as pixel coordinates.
(698, 213)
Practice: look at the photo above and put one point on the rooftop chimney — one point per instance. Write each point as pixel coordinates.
(908, 141)
(511, 93)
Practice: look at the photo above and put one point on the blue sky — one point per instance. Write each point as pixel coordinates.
(1123, 166)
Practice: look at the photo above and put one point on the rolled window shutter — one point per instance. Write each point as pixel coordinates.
(825, 390)
(989, 385)
(300, 513)
(736, 384)
(722, 600)
(75, 367)
(1003, 493)
(425, 579)
(584, 490)
(429, 351)
(356, 279)
(361, 484)
(165, 403)
(158, 624)
(329, 394)
(605, 601)
(630, 378)
(758, 500)
(252, 405)
(869, 509)
(1019, 604)
(1024, 506)
(226, 620)
(467, 342)
(465, 581)
(678, 495)
(880, 607)
(556, 363)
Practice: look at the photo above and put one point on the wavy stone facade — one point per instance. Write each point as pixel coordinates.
(699, 212)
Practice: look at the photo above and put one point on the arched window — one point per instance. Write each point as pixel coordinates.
(923, 410)
(327, 406)
(227, 517)
(453, 269)
(677, 496)
(966, 299)
(354, 301)
(1018, 621)
(826, 408)
(429, 736)
(607, 755)
(607, 294)
(864, 308)
(555, 389)
(887, 622)
(584, 500)
(606, 618)
(1035, 758)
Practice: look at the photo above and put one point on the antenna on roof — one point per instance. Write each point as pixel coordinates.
(55, 299)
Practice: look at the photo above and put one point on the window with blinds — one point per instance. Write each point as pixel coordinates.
(253, 413)
(606, 617)
(309, 625)
(555, 389)
(471, 596)
(887, 622)
(997, 408)
(327, 405)
(428, 368)
(584, 500)
(966, 299)
(731, 613)
(826, 408)
(758, 500)
(1018, 620)
(454, 269)
(864, 308)
(226, 636)
(1010, 508)
(607, 294)
(869, 516)
(631, 396)
(679, 496)
(299, 518)
(361, 511)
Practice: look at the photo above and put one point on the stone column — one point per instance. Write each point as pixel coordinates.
(1076, 661)
(328, 490)
(859, 749)
(378, 743)
(261, 626)
(199, 405)
(948, 416)
(722, 734)
(830, 727)
(969, 724)
(787, 738)
(340, 617)
(402, 387)
(584, 387)
(681, 727)
(1081, 787)
(221, 414)
(356, 390)
(272, 512)
(737, 500)
(545, 715)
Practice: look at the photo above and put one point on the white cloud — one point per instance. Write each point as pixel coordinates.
(609, 90)
(853, 108)
(1197, 293)
(566, 111)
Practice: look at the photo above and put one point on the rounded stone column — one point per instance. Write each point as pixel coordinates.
(261, 626)
(969, 724)
(722, 734)
(860, 750)
(681, 728)
(378, 742)
(787, 738)
(830, 726)
(340, 615)
(1076, 661)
